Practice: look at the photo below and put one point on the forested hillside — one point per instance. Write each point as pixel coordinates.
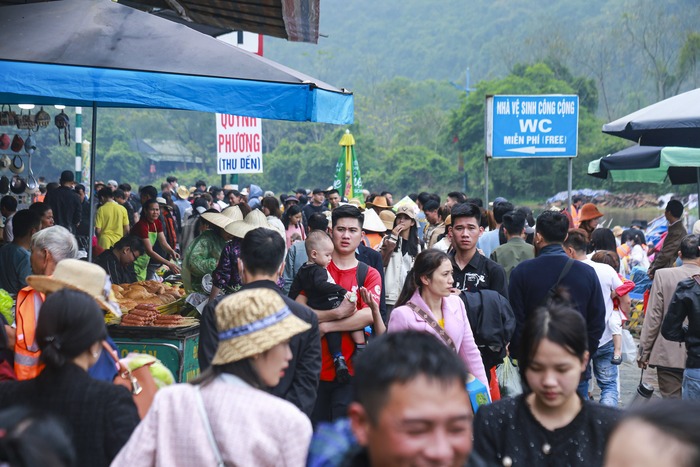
(632, 48)
(406, 61)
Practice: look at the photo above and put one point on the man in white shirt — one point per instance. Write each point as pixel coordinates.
(606, 374)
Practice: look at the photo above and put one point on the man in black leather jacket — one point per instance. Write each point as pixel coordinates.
(686, 304)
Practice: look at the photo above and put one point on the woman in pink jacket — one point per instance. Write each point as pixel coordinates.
(426, 304)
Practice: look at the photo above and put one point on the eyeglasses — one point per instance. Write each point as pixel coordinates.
(134, 256)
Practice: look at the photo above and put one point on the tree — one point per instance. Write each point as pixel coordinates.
(658, 31)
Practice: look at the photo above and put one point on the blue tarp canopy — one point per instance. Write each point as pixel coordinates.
(104, 54)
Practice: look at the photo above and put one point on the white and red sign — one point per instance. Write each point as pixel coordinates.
(238, 144)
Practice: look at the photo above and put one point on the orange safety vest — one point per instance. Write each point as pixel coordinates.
(27, 353)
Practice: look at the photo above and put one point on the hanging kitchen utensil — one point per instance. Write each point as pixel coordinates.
(17, 165)
(18, 185)
(42, 118)
(26, 121)
(4, 141)
(17, 143)
(4, 185)
(7, 117)
(32, 186)
(62, 122)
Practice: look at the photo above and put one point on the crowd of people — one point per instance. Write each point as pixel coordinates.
(340, 332)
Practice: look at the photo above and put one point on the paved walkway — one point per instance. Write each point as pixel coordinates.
(629, 380)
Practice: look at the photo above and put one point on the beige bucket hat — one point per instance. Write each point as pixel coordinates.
(82, 276)
(251, 322)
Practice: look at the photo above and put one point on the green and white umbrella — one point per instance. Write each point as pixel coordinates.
(347, 171)
(653, 164)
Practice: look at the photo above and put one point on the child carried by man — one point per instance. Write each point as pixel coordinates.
(322, 293)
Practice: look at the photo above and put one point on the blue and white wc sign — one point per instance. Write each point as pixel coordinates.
(532, 126)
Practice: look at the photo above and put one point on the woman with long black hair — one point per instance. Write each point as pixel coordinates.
(426, 304)
(70, 330)
(549, 424)
(293, 225)
(399, 250)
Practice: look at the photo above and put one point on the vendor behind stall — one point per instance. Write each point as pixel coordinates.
(119, 260)
(150, 230)
(202, 254)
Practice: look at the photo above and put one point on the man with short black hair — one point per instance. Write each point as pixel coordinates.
(8, 208)
(532, 280)
(65, 203)
(410, 407)
(15, 264)
(389, 197)
(121, 198)
(147, 192)
(172, 181)
(655, 350)
(260, 266)
(164, 188)
(82, 232)
(131, 199)
(119, 260)
(604, 365)
(682, 324)
(471, 269)
(490, 240)
(435, 227)
(515, 250)
(316, 205)
(111, 220)
(334, 199)
(233, 197)
(454, 197)
(334, 396)
(676, 231)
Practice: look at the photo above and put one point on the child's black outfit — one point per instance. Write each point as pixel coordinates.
(322, 295)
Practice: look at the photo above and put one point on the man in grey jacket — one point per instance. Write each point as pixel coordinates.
(654, 350)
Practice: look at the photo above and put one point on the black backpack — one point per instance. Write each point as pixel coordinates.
(492, 321)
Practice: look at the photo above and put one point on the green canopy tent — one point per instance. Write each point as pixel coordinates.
(652, 164)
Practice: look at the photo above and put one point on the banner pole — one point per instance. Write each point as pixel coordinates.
(570, 180)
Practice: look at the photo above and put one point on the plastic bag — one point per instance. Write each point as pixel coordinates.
(509, 379)
(629, 348)
(6, 304)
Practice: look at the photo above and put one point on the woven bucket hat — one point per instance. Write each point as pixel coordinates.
(82, 276)
(251, 322)
(252, 221)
